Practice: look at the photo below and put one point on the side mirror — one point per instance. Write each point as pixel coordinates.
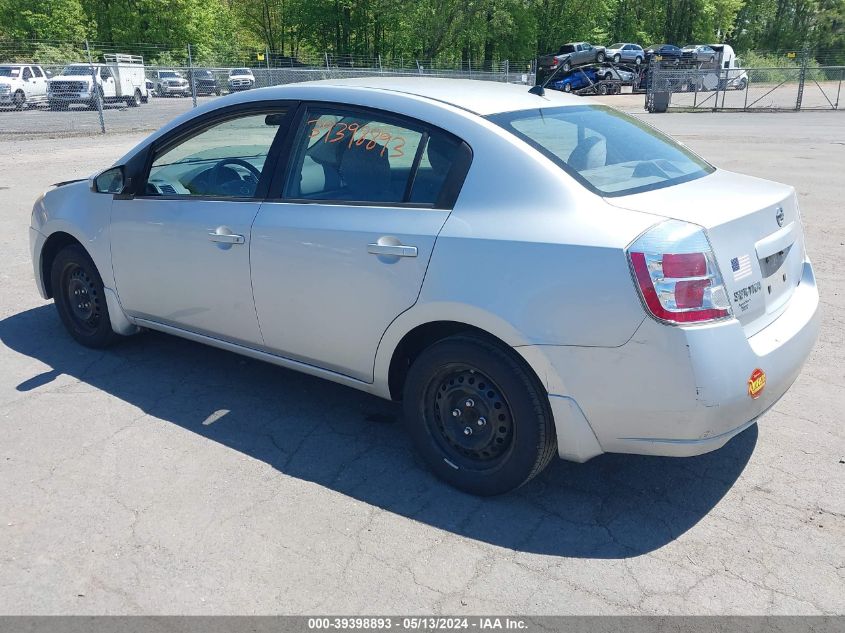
(110, 181)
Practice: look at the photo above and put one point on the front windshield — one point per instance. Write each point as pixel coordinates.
(9, 71)
(609, 152)
(240, 71)
(168, 74)
(77, 70)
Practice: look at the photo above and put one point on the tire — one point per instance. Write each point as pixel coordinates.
(712, 58)
(567, 87)
(638, 60)
(600, 57)
(567, 66)
(497, 399)
(80, 299)
(93, 104)
(56, 105)
(743, 84)
(19, 100)
(135, 100)
(602, 89)
(617, 58)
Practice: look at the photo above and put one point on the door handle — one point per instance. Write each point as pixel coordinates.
(392, 250)
(226, 238)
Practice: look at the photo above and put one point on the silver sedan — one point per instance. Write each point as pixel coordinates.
(530, 274)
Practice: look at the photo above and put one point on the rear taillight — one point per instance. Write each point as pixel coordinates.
(554, 63)
(677, 275)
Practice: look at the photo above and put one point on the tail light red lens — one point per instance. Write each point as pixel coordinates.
(677, 275)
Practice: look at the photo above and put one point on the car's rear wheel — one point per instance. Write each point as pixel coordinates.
(80, 298)
(638, 60)
(478, 415)
(566, 66)
(600, 57)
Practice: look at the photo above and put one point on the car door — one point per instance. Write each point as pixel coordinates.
(344, 248)
(39, 81)
(180, 245)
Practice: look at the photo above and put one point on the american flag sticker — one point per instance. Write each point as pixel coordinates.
(741, 266)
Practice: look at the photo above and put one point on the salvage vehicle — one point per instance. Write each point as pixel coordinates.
(568, 57)
(625, 52)
(530, 274)
(581, 78)
(22, 85)
(700, 53)
(241, 79)
(663, 52)
(120, 79)
(171, 83)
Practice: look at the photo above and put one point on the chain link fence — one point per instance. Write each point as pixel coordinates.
(65, 89)
(802, 86)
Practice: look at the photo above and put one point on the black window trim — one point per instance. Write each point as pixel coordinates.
(449, 192)
(138, 168)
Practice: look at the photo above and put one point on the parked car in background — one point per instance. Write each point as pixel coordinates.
(171, 83)
(120, 79)
(571, 55)
(622, 52)
(698, 53)
(668, 52)
(150, 87)
(241, 79)
(205, 83)
(22, 85)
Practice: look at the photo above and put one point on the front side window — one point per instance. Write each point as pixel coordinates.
(224, 160)
(610, 153)
(349, 155)
(27, 73)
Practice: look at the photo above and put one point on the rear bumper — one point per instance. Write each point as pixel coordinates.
(678, 391)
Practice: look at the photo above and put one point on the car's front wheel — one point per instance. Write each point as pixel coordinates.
(479, 417)
(80, 298)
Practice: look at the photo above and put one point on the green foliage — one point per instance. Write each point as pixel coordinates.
(446, 31)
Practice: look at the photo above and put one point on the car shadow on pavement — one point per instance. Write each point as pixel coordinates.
(614, 506)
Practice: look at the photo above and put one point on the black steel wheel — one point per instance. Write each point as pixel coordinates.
(80, 298)
(478, 415)
(19, 100)
(470, 418)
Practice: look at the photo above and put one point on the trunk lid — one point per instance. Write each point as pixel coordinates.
(754, 230)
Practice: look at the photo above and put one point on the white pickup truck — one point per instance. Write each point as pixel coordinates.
(22, 85)
(120, 78)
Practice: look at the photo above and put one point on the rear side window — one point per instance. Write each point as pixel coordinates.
(610, 153)
(37, 71)
(357, 156)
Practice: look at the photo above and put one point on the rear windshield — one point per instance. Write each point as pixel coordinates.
(610, 153)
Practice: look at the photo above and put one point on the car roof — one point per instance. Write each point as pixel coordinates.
(478, 97)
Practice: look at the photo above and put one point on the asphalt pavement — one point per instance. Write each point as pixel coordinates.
(165, 477)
